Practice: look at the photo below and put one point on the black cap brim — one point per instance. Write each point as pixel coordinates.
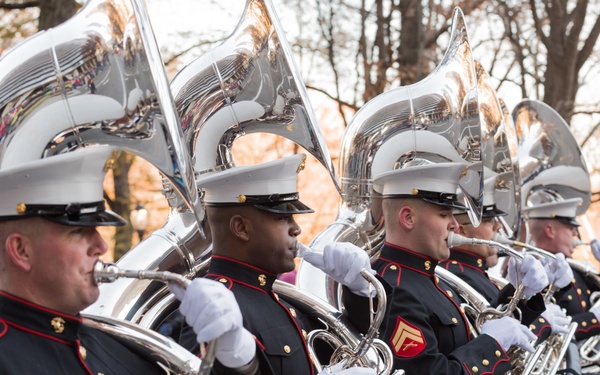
(97, 219)
(568, 220)
(492, 211)
(289, 207)
(453, 204)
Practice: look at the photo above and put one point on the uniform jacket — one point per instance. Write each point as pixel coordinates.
(40, 341)
(473, 270)
(280, 329)
(426, 330)
(575, 298)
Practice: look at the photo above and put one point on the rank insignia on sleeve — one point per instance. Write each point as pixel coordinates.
(407, 340)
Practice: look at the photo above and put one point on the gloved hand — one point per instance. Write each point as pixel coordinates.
(529, 272)
(596, 310)
(212, 311)
(559, 271)
(337, 369)
(508, 332)
(343, 261)
(595, 245)
(557, 318)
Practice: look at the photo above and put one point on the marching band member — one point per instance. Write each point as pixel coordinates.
(469, 263)
(427, 330)
(553, 226)
(49, 212)
(251, 212)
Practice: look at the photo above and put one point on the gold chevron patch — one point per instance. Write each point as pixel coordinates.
(407, 340)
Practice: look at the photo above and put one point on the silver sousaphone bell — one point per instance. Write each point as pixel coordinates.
(95, 80)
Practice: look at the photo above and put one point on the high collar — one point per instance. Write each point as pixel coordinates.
(43, 321)
(468, 258)
(242, 273)
(409, 258)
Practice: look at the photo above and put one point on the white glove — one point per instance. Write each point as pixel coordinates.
(559, 271)
(337, 369)
(596, 311)
(343, 261)
(508, 332)
(212, 311)
(557, 318)
(595, 245)
(528, 272)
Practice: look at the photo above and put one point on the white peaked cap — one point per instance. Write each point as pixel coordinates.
(434, 183)
(65, 188)
(270, 186)
(489, 195)
(565, 210)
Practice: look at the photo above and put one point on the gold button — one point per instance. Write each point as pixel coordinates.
(570, 298)
(542, 320)
(498, 353)
(58, 324)
(454, 320)
(485, 362)
(287, 349)
(454, 262)
(262, 279)
(393, 267)
(82, 352)
(437, 279)
(594, 321)
(474, 369)
(584, 324)
(462, 309)
(427, 265)
(223, 280)
(573, 281)
(589, 291)
(449, 292)
(304, 334)
(578, 291)
(531, 327)
(583, 303)
(293, 312)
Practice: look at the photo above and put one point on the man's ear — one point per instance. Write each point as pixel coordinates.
(240, 227)
(549, 231)
(18, 249)
(406, 217)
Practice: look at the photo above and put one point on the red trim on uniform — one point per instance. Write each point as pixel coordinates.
(399, 271)
(405, 266)
(3, 327)
(38, 307)
(260, 344)
(542, 329)
(38, 334)
(217, 276)
(299, 330)
(244, 264)
(593, 326)
(81, 359)
(487, 372)
(464, 318)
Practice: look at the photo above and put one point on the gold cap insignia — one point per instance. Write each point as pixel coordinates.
(302, 165)
(415, 191)
(58, 324)
(479, 262)
(427, 265)
(241, 198)
(21, 208)
(262, 279)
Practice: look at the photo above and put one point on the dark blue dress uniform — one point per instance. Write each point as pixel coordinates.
(279, 328)
(575, 298)
(40, 341)
(426, 330)
(472, 269)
